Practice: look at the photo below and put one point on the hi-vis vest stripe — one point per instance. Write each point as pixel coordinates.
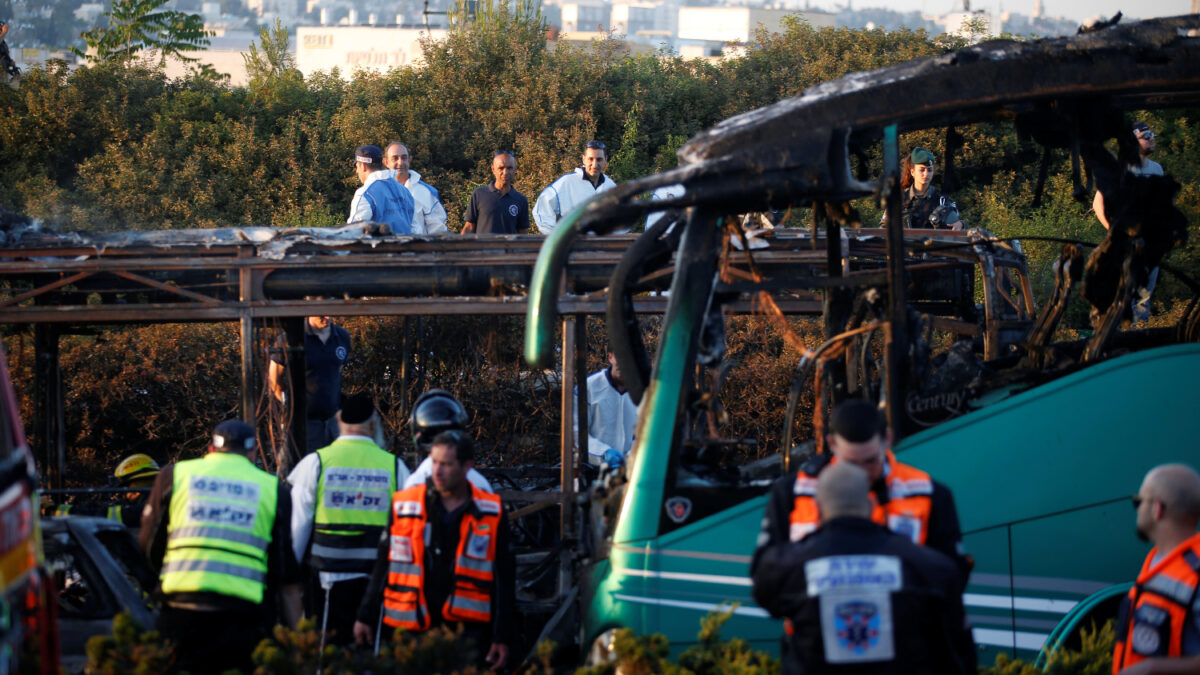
(910, 501)
(221, 514)
(214, 567)
(404, 604)
(353, 494)
(1154, 614)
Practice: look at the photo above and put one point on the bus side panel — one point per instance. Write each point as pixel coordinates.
(705, 567)
(1062, 559)
(1083, 439)
(988, 592)
(1056, 464)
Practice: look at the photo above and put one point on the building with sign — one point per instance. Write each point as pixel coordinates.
(350, 48)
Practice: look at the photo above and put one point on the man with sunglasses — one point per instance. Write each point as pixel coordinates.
(1145, 167)
(572, 189)
(1158, 626)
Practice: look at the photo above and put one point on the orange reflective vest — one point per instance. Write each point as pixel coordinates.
(404, 603)
(1153, 615)
(910, 500)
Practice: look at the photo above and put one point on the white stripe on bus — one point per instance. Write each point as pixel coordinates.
(756, 612)
(983, 636)
(969, 599)
(685, 576)
(1005, 638)
(1018, 602)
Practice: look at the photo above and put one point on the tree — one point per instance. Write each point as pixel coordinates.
(273, 60)
(135, 25)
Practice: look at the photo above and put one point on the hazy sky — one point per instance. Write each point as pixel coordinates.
(1073, 9)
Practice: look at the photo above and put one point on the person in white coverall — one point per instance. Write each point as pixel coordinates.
(572, 189)
(429, 216)
(612, 416)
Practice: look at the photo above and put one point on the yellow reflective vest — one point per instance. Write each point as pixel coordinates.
(222, 512)
(354, 492)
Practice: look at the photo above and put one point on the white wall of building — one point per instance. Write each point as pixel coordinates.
(586, 17)
(642, 21)
(349, 48)
(962, 23)
(738, 24)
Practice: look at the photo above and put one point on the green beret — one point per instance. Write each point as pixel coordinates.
(921, 156)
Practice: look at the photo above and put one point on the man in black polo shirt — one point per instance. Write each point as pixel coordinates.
(326, 350)
(497, 208)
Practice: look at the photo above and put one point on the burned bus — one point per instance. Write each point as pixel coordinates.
(1042, 441)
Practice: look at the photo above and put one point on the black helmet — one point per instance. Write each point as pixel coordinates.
(435, 411)
(233, 435)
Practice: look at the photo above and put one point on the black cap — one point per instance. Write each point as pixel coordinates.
(1140, 126)
(233, 435)
(368, 154)
(357, 408)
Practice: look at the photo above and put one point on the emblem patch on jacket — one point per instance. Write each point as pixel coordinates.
(908, 526)
(855, 596)
(477, 546)
(401, 550)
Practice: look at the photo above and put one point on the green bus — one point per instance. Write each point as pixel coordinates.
(1042, 442)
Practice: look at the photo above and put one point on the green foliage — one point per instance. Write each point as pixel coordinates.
(108, 148)
(631, 161)
(131, 651)
(138, 25)
(712, 656)
(1093, 658)
(273, 59)
(645, 654)
(636, 655)
(128, 651)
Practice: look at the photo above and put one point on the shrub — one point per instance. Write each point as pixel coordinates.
(1093, 658)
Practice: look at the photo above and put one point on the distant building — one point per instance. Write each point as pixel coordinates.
(586, 16)
(738, 24)
(224, 55)
(974, 25)
(285, 10)
(37, 57)
(645, 22)
(349, 48)
(89, 12)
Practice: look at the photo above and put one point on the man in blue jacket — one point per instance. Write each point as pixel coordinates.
(380, 200)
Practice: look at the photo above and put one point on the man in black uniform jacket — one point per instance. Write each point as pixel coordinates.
(857, 598)
(859, 435)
